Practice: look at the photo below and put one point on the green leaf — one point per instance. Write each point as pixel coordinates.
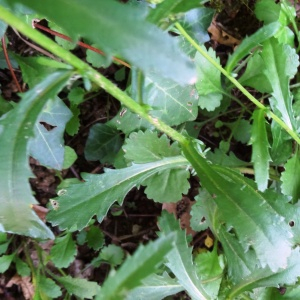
(16, 129)
(156, 287)
(103, 143)
(5, 261)
(95, 59)
(36, 69)
(218, 157)
(264, 229)
(210, 271)
(119, 30)
(22, 267)
(170, 102)
(249, 43)
(260, 149)
(48, 287)
(168, 185)
(143, 263)
(63, 251)
(179, 260)
(144, 147)
(79, 287)
(254, 76)
(209, 81)
(95, 238)
(69, 157)
(48, 145)
(112, 254)
(267, 11)
(281, 63)
(291, 178)
(266, 278)
(82, 201)
(62, 42)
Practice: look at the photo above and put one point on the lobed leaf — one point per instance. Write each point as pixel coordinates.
(143, 263)
(119, 29)
(80, 202)
(16, 215)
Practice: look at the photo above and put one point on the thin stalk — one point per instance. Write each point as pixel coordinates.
(87, 71)
(237, 84)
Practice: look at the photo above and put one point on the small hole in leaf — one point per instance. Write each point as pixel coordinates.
(47, 126)
(292, 223)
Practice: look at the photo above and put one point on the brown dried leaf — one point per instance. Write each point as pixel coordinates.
(24, 283)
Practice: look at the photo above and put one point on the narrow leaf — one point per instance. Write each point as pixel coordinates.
(17, 127)
(124, 31)
(281, 63)
(80, 202)
(137, 267)
(260, 149)
(251, 42)
(156, 287)
(265, 229)
(291, 178)
(180, 259)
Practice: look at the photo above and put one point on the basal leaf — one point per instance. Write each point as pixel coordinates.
(112, 254)
(120, 30)
(46, 286)
(95, 238)
(47, 146)
(16, 215)
(264, 229)
(291, 178)
(281, 63)
(210, 101)
(80, 202)
(261, 35)
(156, 287)
(79, 287)
(143, 263)
(5, 261)
(267, 11)
(103, 143)
(63, 251)
(179, 260)
(260, 149)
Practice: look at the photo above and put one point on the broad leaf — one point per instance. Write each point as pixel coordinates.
(48, 145)
(63, 251)
(80, 202)
(260, 149)
(156, 287)
(210, 271)
(79, 287)
(46, 286)
(251, 42)
(95, 238)
(218, 157)
(136, 268)
(267, 11)
(168, 185)
(291, 178)
(264, 229)
(17, 127)
(254, 76)
(209, 81)
(5, 261)
(103, 143)
(179, 260)
(120, 30)
(112, 254)
(281, 63)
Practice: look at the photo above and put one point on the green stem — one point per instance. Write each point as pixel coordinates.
(237, 84)
(88, 72)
